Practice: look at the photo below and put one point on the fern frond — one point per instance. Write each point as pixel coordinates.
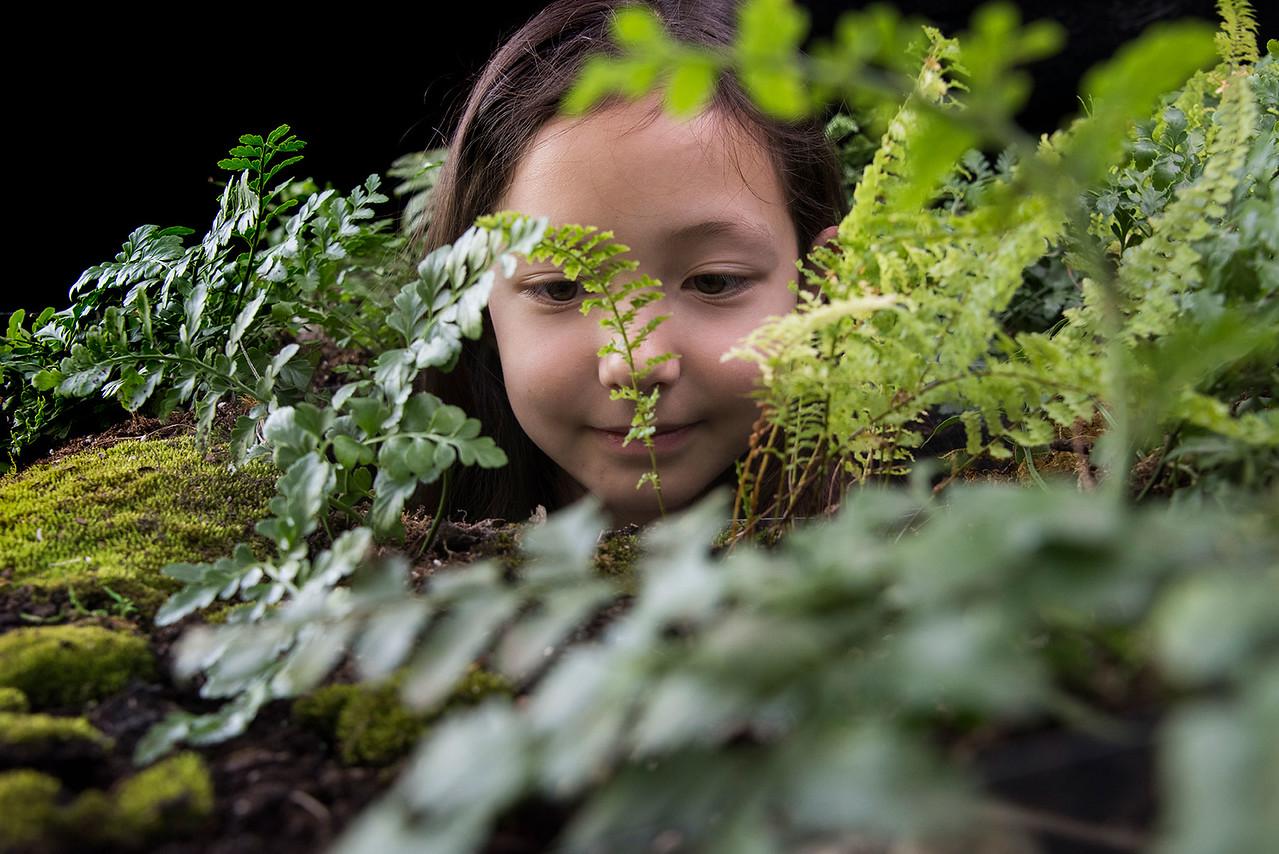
(1154, 275)
(883, 180)
(1237, 38)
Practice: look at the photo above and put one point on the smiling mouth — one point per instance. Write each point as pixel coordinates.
(668, 437)
(662, 430)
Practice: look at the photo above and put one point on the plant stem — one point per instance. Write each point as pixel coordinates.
(182, 360)
(257, 230)
(439, 514)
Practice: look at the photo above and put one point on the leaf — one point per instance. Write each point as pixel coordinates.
(579, 709)
(242, 321)
(341, 559)
(637, 27)
(85, 382)
(194, 311)
(137, 388)
(535, 638)
(388, 637)
(492, 743)
(302, 493)
(1125, 88)
(143, 305)
(318, 650)
(389, 495)
(15, 323)
(343, 394)
(47, 379)
(369, 414)
(445, 456)
(294, 431)
(274, 137)
(1195, 644)
(351, 453)
(447, 420)
(691, 85)
(186, 601)
(568, 539)
(162, 737)
(455, 640)
(483, 452)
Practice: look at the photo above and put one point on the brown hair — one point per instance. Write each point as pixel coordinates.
(516, 93)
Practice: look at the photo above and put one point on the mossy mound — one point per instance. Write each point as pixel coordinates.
(616, 558)
(70, 665)
(172, 798)
(27, 803)
(370, 726)
(48, 741)
(113, 518)
(13, 700)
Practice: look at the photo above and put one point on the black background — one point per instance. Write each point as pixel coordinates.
(121, 118)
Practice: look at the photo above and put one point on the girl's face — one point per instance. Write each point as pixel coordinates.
(702, 210)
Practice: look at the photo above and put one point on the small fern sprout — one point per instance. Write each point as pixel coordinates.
(590, 256)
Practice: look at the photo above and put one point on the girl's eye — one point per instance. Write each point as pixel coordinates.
(718, 284)
(556, 292)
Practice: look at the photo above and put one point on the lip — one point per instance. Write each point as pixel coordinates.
(668, 438)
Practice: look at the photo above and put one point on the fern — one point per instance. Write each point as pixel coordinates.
(1237, 40)
(1155, 274)
(590, 255)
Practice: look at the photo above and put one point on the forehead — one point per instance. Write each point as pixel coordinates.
(632, 168)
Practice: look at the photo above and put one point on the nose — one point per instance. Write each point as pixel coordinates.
(653, 353)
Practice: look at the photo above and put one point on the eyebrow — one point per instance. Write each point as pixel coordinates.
(731, 228)
(744, 231)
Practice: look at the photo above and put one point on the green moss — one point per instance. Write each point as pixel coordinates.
(368, 723)
(89, 818)
(503, 546)
(375, 728)
(477, 684)
(70, 665)
(319, 710)
(171, 797)
(11, 699)
(36, 733)
(115, 517)
(616, 558)
(27, 803)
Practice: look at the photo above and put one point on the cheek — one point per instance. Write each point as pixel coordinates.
(724, 332)
(542, 367)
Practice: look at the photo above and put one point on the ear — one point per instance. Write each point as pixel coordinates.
(827, 235)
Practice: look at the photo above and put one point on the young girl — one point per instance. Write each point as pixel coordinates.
(718, 208)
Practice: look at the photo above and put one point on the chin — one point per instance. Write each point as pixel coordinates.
(639, 507)
(633, 512)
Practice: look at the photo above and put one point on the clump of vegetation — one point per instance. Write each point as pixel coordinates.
(618, 554)
(591, 255)
(28, 803)
(113, 518)
(170, 799)
(13, 700)
(370, 725)
(25, 738)
(67, 666)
